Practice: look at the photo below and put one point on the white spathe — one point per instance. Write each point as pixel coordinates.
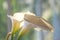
(19, 16)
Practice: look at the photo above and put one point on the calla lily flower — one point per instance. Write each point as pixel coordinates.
(26, 20)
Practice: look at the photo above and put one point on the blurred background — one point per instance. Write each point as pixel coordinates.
(48, 9)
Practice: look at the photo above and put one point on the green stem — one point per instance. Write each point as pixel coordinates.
(12, 37)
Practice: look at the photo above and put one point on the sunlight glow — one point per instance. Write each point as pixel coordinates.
(47, 14)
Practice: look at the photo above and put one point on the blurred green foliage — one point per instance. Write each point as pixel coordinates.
(3, 21)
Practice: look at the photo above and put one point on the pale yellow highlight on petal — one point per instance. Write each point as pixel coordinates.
(37, 29)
